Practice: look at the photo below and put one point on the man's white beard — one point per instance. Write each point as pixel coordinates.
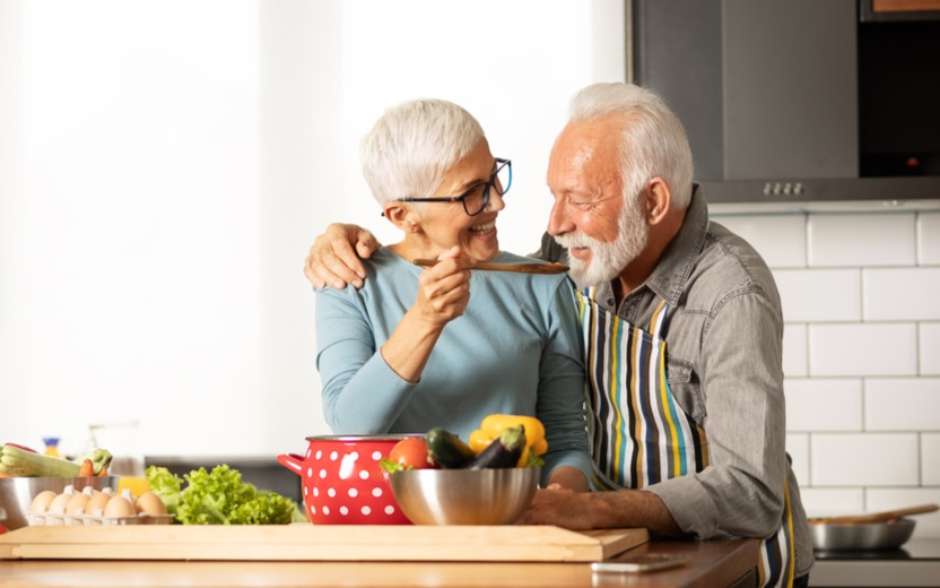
(608, 259)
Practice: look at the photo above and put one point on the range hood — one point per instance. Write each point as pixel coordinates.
(799, 104)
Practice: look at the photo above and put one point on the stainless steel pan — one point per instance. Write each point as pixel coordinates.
(876, 531)
(861, 537)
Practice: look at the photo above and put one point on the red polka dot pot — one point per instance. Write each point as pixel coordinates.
(342, 481)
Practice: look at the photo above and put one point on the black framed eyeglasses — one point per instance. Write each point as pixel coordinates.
(477, 197)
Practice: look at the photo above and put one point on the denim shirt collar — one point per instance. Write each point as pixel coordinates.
(675, 265)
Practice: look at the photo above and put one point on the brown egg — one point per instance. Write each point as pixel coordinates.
(149, 503)
(41, 502)
(119, 506)
(75, 507)
(58, 504)
(95, 505)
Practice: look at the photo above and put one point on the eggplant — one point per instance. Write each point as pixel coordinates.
(504, 452)
(447, 450)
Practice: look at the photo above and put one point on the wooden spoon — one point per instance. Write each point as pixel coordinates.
(876, 517)
(519, 268)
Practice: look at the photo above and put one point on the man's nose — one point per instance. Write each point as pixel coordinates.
(558, 221)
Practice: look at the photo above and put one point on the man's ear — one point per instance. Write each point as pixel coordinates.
(402, 216)
(658, 200)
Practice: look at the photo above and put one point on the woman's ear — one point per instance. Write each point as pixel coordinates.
(402, 216)
(658, 200)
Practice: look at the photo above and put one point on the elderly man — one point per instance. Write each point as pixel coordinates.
(682, 339)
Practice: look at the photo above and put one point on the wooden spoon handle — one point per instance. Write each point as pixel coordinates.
(878, 517)
(520, 268)
(903, 512)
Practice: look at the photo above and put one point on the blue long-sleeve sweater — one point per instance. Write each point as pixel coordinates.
(515, 350)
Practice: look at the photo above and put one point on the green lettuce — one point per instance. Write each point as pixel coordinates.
(393, 467)
(220, 497)
(267, 508)
(166, 485)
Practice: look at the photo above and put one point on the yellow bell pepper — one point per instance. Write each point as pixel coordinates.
(495, 424)
(479, 441)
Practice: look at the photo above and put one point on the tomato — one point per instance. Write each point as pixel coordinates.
(412, 452)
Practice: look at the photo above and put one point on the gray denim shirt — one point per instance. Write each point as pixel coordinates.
(724, 366)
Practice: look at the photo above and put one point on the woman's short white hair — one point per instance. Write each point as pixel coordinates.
(654, 140)
(413, 144)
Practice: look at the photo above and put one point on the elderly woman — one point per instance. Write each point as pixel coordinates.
(411, 349)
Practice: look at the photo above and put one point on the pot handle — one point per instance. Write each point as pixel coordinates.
(292, 461)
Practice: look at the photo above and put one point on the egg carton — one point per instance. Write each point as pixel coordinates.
(56, 517)
(57, 520)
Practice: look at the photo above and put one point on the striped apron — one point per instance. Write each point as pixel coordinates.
(640, 435)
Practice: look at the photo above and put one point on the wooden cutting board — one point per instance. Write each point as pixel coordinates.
(303, 542)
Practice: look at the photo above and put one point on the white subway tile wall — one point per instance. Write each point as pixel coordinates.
(823, 405)
(865, 459)
(861, 354)
(930, 459)
(780, 239)
(798, 449)
(928, 238)
(901, 294)
(910, 404)
(860, 240)
(795, 354)
(929, 348)
(820, 502)
(820, 295)
(863, 349)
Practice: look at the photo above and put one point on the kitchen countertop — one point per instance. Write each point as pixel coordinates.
(917, 563)
(710, 563)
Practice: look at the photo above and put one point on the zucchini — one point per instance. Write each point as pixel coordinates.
(447, 450)
(18, 461)
(504, 452)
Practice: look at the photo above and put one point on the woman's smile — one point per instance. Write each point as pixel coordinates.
(483, 230)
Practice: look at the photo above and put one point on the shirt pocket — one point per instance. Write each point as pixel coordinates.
(686, 389)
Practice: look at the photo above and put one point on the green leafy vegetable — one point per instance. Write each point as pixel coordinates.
(392, 467)
(534, 461)
(166, 485)
(267, 508)
(220, 497)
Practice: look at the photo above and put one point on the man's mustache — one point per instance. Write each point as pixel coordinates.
(571, 240)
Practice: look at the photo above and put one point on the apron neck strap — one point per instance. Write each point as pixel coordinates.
(659, 321)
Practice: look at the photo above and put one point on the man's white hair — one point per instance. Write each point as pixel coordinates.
(654, 140)
(412, 145)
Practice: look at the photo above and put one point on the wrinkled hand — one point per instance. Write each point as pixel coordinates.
(559, 506)
(444, 290)
(334, 258)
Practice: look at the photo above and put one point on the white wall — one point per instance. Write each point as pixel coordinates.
(11, 404)
(135, 256)
(299, 158)
(514, 65)
(861, 305)
(171, 161)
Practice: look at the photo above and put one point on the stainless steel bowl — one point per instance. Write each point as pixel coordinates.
(16, 494)
(465, 497)
(861, 537)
